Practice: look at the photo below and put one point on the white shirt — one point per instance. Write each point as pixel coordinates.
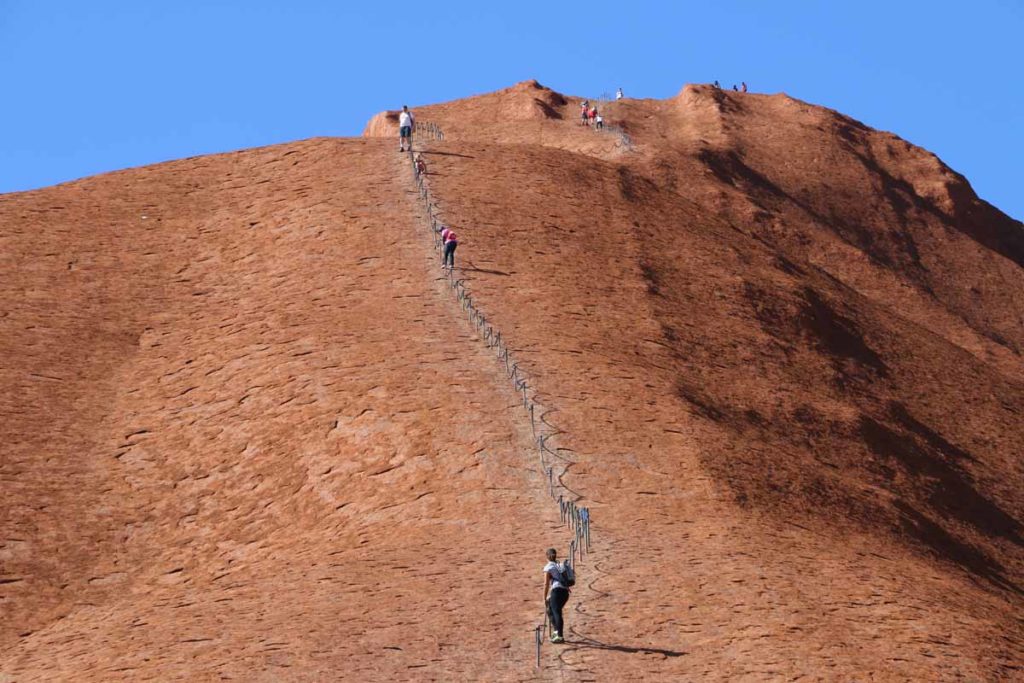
(618, 95)
(555, 570)
(405, 119)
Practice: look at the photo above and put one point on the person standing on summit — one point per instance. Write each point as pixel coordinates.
(405, 124)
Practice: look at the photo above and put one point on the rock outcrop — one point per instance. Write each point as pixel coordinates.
(247, 434)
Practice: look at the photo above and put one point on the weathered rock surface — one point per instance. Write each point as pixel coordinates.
(246, 432)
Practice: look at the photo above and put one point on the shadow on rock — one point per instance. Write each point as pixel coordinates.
(583, 642)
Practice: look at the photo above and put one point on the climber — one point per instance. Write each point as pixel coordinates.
(735, 89)
(451, 242)
(717, 86)
(743, 86)
(585, 111)
(618, 94)
(405, 124)
(599, 122)
(556, 594)
(592, 114)
(421, 166)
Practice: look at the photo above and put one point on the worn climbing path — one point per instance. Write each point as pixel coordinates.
(553, 461)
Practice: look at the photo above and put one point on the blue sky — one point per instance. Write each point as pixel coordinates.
(96, 86)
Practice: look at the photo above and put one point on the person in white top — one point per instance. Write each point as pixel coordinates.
(555, 595)
(618, 94)
(405, 123)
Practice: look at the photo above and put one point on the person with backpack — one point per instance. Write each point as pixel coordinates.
(451, 242)
(405, 124)
(558, 578)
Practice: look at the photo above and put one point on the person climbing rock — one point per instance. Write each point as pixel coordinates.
(717, 86)
(585, 112)
(556, 593)
(421, 166)
(618, 94)
(405, 123)
(599, 122)
(743, 86)
(735, 89)
(451, 242)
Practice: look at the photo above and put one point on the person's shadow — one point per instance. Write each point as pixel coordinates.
(583, 642)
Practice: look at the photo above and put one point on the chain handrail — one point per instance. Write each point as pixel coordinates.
(577, 518)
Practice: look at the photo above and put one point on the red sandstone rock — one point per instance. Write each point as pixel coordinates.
(247, 433)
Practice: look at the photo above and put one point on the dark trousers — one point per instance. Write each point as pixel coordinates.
(556, 601)
(449, 253)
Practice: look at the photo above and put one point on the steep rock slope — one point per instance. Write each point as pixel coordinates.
(246, 435)
(786, 348)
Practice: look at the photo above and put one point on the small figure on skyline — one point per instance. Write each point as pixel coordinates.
(618, 94)
(735, 89)
(451, 242)
(405, 124)
(743, 86)
(717, 86)
(558, 577)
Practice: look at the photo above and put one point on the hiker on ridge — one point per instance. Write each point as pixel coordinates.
(743, 86)
(618, 94)
(405, 124)
(451, 242)
(584, 112)
(558, 576)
